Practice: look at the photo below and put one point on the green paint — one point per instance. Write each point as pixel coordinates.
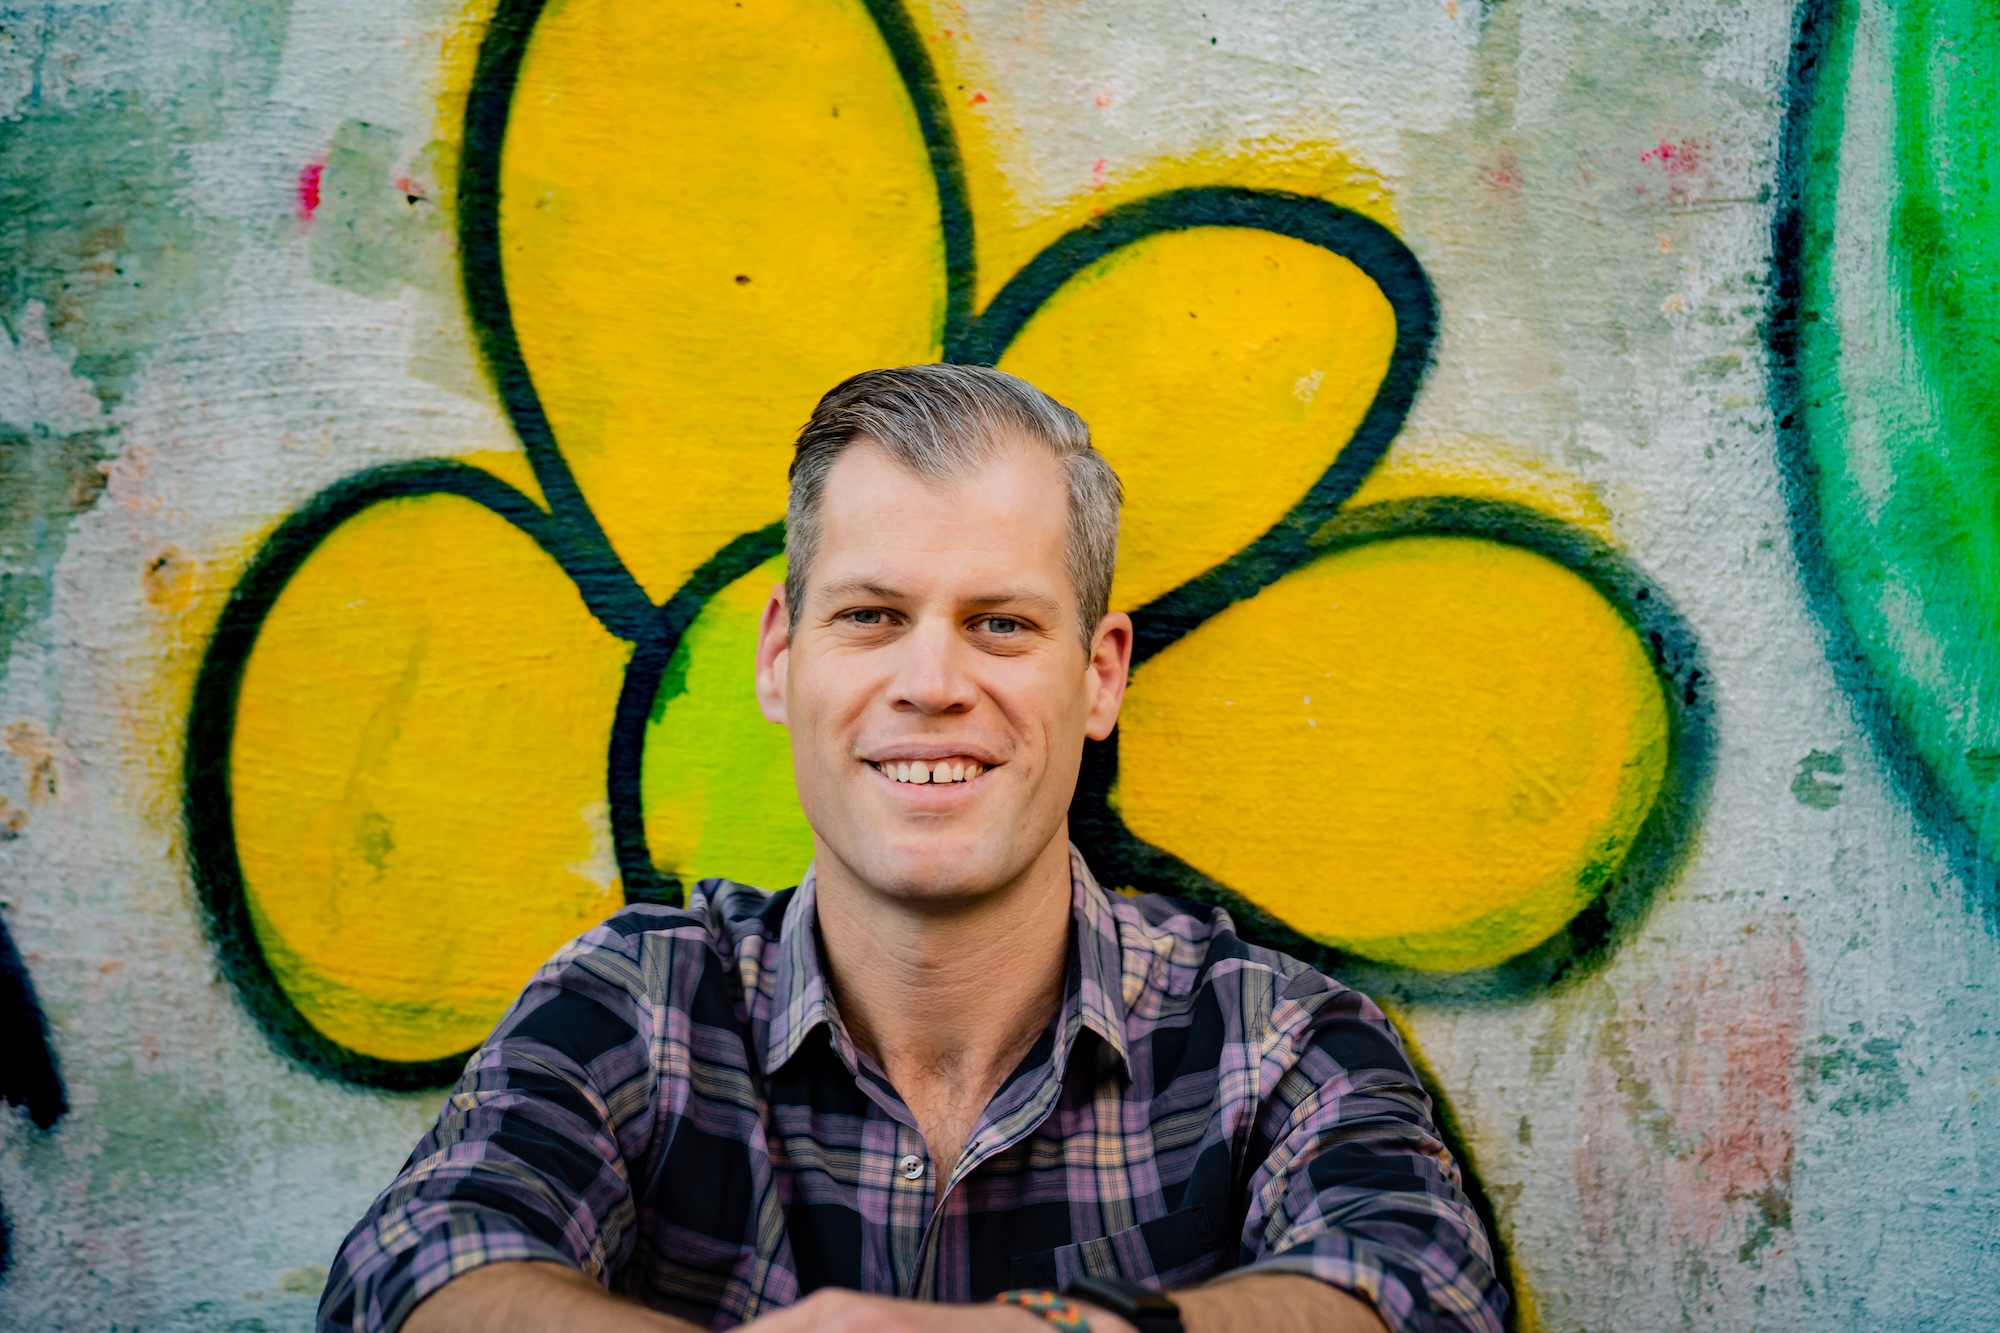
(377, 226)
(1810, 784)
(1774, 1212)
(1854, 1075)
(375, 838)
(46, 479)
(1900, 361)
(101, 225)
(717, 778)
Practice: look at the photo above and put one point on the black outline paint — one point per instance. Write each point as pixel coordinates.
(209, 805)
(1120, 858)
(29, 1075)
(1800, 479)
(570, 534)
(644, 881)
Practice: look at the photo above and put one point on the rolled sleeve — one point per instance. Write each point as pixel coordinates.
(1357, 1188)
(529, 1157)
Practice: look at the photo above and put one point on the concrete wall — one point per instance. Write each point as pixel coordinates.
(1559, 523)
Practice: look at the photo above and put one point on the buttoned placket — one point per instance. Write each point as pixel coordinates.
(990, 1137)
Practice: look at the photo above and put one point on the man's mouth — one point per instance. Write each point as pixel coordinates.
(956, 769)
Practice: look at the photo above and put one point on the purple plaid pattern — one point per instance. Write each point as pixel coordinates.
(674, 1107)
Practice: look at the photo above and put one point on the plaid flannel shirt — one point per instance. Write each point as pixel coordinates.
(674, 1107)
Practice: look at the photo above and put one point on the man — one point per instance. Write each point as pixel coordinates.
(948, 1066)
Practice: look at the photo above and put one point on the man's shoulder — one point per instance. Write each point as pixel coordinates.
(719, 915)
(1196, 945)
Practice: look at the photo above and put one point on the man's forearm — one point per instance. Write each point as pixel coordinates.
(533, 1298)
(1275, 1303)
(548, 1298)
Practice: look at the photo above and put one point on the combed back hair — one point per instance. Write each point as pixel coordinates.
(944, 423)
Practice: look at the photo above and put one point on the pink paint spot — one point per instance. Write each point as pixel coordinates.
(1104, 99)
(977, 97)
(309, 189)
(1676, 159)
(1682, 167)
(1097, 174)
(1504, 176)
(1690, 1109)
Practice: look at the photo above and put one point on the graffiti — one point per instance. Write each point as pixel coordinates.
(28, 1074)
(1523, 701)
(1883, 330)
(1558, 528)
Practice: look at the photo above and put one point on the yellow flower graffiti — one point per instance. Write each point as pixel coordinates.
(457, 712)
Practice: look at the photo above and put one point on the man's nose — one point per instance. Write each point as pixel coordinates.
(931, 676)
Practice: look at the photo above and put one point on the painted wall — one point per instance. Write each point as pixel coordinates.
(1556, 439)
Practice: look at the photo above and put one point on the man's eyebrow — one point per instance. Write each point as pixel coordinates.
(842, 589)
(1020, 597)
(860, 588)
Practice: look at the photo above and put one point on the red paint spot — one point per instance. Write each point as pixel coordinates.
(977, 97)
(1097, 174)
(1504, 176)
(309, 189)
(1690, 1108)
(1104, 99)
(1676, 159)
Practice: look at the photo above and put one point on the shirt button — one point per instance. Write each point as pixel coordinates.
(912, 1167)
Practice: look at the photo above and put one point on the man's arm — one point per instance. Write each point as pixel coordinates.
(1262, 1303)
(1272, 1303)
(530, 1161)
(1351, 1184)
(533, 1298)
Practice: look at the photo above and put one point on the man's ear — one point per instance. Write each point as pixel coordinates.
(1110, 665)
(774, 644)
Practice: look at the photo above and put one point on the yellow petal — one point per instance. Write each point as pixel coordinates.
(710, 214)
(717, 778)
(1221, 370)
(1429, 751)
(418, 772)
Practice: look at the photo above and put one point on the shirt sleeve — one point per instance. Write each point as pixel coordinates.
(1355, 1186)
(529, 1157)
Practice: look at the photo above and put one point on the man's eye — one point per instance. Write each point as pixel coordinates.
(1002, 624)
(866, 616)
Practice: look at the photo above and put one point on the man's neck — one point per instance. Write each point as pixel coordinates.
(948, 1002)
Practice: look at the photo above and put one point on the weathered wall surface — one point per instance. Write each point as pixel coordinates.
(1558, 448)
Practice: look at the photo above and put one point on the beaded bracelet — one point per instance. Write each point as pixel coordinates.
(1057, 1311)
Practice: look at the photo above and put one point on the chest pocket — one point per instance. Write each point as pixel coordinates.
(1170, 1251)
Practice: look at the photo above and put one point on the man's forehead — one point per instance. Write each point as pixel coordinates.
(867, 459)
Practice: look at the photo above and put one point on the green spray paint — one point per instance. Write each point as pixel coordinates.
(103, 237)
(717, 780)
(1899, 354)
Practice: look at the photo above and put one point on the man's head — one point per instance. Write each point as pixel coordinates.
(951, 538)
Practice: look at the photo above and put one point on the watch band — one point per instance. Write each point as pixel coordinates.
(1055, 1310)
(1147, 1310)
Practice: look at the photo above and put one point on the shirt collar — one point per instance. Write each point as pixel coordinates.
(1094, 995)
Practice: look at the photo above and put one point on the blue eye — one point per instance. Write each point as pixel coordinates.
(866, 616)
(1002, 624)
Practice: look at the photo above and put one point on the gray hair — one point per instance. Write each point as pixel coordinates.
(943, 422)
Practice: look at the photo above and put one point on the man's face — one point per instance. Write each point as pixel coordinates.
(939, 639)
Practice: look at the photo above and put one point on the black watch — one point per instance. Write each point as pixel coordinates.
(1148, 1311)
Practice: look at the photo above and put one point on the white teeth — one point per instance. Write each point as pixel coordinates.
(919, 771)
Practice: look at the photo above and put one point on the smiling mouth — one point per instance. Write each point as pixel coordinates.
(934, 772)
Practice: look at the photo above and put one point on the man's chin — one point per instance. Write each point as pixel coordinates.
(938, 871)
